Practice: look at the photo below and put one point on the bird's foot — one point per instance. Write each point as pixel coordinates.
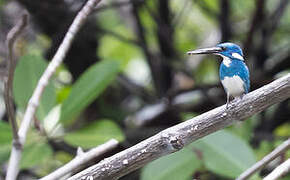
(228, 104)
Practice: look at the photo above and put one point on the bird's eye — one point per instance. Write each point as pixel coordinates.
(223, 48)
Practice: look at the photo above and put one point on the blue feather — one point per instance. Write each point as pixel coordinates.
(238, 68)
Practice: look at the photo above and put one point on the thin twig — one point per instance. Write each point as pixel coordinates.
(82, 159)
(268, 158)
(176, 137)
(33, 103)
(279, 171)
(11, 64)
(112, 5)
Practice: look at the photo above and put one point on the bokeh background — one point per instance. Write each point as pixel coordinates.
(127, 76)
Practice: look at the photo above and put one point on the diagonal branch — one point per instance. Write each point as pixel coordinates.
(112, 5)
(270, 157)
(279, 171)
(176, 137)
(33, 103)
(82, 159)
(11, 64)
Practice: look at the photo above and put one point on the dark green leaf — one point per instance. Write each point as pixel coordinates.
(180, 165)
(95, 134)
(225, 153)
(27, 73)
(87, 88)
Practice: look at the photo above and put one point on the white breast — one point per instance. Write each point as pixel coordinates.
(233, 85)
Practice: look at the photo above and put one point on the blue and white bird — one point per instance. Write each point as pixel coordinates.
(234, 73)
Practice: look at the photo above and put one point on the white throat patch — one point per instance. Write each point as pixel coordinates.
(226, 61)
(238, 56)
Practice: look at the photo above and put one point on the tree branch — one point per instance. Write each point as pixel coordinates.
(224, 19)
(82, 159)
(33, 103)
(258, 17)
(176, 137)
(280, 171)
(11, 64)
(270, 157)
(112, 5)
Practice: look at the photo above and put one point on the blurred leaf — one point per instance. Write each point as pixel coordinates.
(4, 152)
(264, 148)
(87, 88)
(245, 129)
(27, 73)
(63, 93)
(112, 19)
(5, 133)
(283, 130)
(63, 157)
(5, 141)
(226, 154)
(150, 25)
(183, 42)
(188, 115)
(207, 72)
(179, 165)
(35, 154)
(209, 4)
(95, 134)
(119, 50)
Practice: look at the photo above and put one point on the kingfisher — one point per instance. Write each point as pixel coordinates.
(234, 73)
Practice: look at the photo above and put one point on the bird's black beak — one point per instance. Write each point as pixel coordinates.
(211, 50)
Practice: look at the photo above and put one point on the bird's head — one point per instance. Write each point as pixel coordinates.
(229, 50)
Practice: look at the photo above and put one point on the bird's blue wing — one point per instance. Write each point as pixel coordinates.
(245, 75)
(239, 68)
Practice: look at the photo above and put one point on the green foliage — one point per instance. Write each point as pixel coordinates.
(207, 72)
(186, 116)
(63, 93)
(180, 165)
(283, 130)
(87, 88)
(113, 47)
(5, 141)
(4, 152)
(226, 154)
(118, 50)
(34, 154)
(95, 134)
(244, 129)
(5, 133)
(27, 73)
(193, 24)
(34, 147)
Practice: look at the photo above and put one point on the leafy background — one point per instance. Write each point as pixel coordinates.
(127, 76)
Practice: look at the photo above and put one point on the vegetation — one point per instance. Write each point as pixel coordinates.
(127, 76)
